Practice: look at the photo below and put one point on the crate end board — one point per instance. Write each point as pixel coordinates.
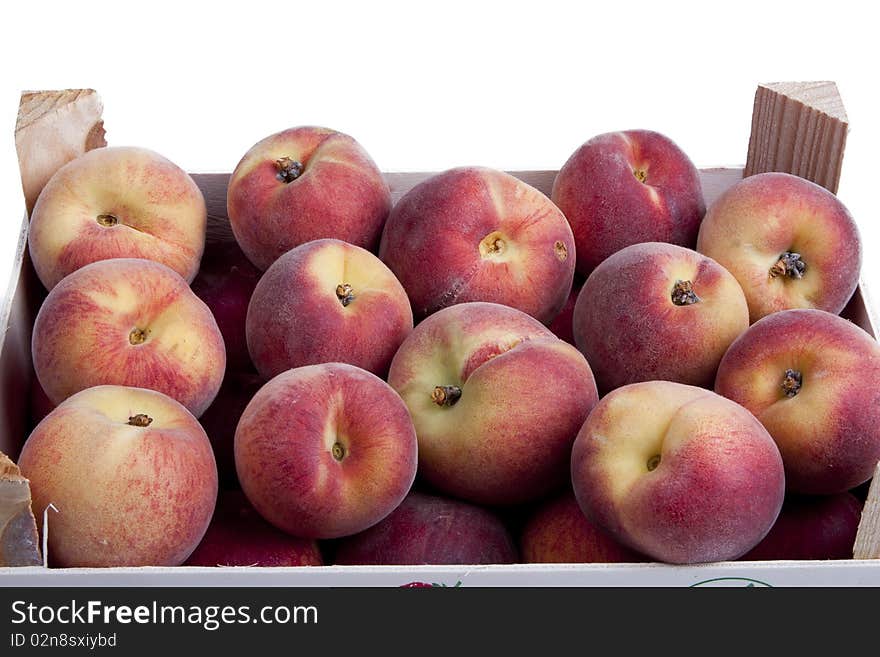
(53, 128)
(798, 128)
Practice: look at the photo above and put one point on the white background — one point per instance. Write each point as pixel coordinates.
(426, 86)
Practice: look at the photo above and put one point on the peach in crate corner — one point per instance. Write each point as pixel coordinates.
(131, 474)
(117, 202)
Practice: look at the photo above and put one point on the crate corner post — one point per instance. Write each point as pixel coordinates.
(798, 128)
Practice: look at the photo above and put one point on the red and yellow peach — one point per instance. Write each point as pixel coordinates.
(131, 474)
(476, 234)
(789, 242)
(327, 301)
(658, 311)
(128, 322)
(121, 202)
(304, 184)
(623, 188)
(677, 473)
(325, 451)
(496, 400)
(811, 378)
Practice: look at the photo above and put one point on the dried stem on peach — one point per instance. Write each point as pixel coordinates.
(792, 382)
(138, 336)
(140, 420)
(446, 395)
(338, 450)
(345, 293)
(287, 169)
(683, 293)
(790, 265)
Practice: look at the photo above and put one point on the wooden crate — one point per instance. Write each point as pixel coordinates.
(16, 373)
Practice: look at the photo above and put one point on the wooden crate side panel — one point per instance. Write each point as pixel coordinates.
(16, 368)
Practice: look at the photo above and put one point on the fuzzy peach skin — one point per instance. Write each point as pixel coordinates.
(303, 184)
(789, 242)
(225, 282)
(131, 474)
(811, 378)
(558, 532)
(238, 536)
(658, 311)
(429, 529)
(325, 451)
(496, 399)
(677, 473)
(622, 188)
(327, 301)
(563, 324)
(812, 528)
(221, 418)
(476, 234)
(128, 322)
(121, 202)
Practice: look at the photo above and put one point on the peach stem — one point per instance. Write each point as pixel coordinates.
(790, 264)
(792, 382)
(140, 420)
(345, 293)
(138, 336)
(338, 451)
(683, 293)
(288, 169)
(107, 220)
(446, 395)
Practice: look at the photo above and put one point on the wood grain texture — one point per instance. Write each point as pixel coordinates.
(19, 541)
(798, 128)
(52, 128)
(867, 545)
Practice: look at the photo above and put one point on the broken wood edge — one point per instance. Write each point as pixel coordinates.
(867, 543)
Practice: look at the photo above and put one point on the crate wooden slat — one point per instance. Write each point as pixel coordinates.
(799, 128)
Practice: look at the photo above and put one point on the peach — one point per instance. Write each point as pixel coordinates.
(304, 184)
(623, 188)
(558, 532)
(658, 311)
(563, 324)
(324, 451)
(677, 473)
(131, 474)
(121, 202)
(238, 536)
(327, 301)
(811, 378)
(128, 322)
(477, 378)
(427, 529)
(812, 528)
(476, 234)
(789, 242)
(225, 282)
(39, 404)
(222, 416)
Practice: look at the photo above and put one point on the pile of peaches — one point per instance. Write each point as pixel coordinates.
(477, 373)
